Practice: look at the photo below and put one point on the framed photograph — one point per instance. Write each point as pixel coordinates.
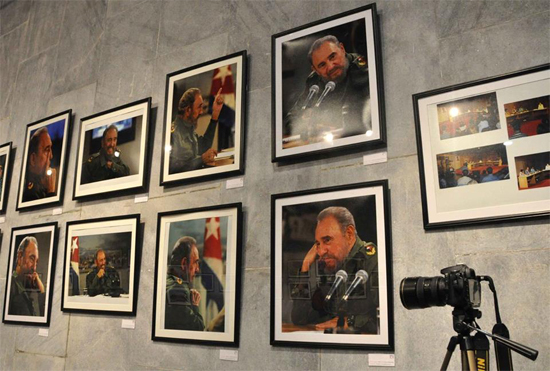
(44, 161)
(491, 135)
(198, 276)
(113, 150)
(5, 174)
(30, 275)
(101, 269)
(331, 280)
(204, 121)
(327, 87)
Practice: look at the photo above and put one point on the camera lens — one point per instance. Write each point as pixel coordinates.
(423, 292)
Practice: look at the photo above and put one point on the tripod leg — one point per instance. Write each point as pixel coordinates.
(450, 349)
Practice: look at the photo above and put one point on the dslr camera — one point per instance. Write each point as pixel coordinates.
(459, 287)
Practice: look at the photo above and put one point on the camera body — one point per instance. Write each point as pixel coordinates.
(459, 287)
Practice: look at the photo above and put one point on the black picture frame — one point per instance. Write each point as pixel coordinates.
(230, 255)
(470, 126)
(119, 237)
(32, 191)
(338, 127)
(29, 299)
(5, 176)
(296, 321)
(230, 127)
(133, 121)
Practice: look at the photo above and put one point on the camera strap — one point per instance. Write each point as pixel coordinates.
(503, 353)
(481, 345)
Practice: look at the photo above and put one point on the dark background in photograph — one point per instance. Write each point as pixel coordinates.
(295, 64)
(56, 130)
(528, 117)
(43, 239)
(117, 247)
(3, 165)
(209, 88)
(541, 177)
(451, 165)
(299, 223)
(473, 115)
(128, 142)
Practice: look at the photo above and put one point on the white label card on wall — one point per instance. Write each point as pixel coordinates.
(43, 332)
(387, 360)
(234, 183)
(129, 323)
(375, 157)
(141, 198)
(229, 354)
(57, 211)
(2, 219)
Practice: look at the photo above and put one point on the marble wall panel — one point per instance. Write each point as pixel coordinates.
(127, 56)
(492, 51)
(36, 362)
(456, 17)
(186, 22)
(78, 56)
(44, 26)
(13, 49)
(13, 14)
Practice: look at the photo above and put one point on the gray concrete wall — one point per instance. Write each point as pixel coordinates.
(93, 55)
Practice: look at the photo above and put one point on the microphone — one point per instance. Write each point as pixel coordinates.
(328, 88)
(341, 276)
(360, 277)
(313, 90)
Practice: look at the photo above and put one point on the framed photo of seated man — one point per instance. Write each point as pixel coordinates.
(327, 89)
(331, 268)
(197, 276)
(101, 265)
(29, 279)
(204, 121)
(44, 161)
(113, 151)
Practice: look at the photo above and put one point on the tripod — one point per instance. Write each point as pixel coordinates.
(475, 349)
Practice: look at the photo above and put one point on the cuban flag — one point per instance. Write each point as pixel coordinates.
(222, 78)
(74, 283)
(212, 275)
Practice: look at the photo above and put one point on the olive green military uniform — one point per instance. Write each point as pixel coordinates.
(187, 146)
(98, 286)
(361, 308)
(34, 188)
(21, 303)
(347, 107)
(95, 169)
(181, 314)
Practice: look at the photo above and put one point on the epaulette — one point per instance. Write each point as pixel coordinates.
(370, 249)
(93, 156)
(30, 185)
(173, 127)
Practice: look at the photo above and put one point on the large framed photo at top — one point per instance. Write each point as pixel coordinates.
(484, 149)
(331, 280)
(198, 276)
(113, 151)
(327, 87)
(101, 269)
(31, 271)
(204, 121)
(44, 161)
